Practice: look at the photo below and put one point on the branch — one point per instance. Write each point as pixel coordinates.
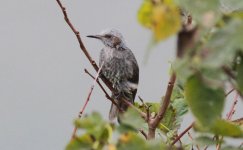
(103, 89)
(87, 100)
(190, 136)
(83, 48)
(232, 110)
(187, 38)
(153, 123)
(143, 115)
(230, 91)
(182, 134)
(229, 117)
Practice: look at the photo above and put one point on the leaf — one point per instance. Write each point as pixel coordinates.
(166, 21)
(231, 148)
(239, 122)
(163, 18)
(132, 119)
(131, 141)
(224, 44)
(156, 145)
(145, 14)
(222, 127)
(180, 106)
(83, 142)
(89, 122)
(205, 103)
(226, 128)
(96, 127)
(204, 140)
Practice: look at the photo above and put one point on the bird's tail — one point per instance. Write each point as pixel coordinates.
(114, 110)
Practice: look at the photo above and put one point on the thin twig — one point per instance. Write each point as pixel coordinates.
(232, 110)
(230, 91)
(190, 136)
(87, 100)
(146, 107)
(103, 89)
(182, 134)
(229, 117)
(143, 133)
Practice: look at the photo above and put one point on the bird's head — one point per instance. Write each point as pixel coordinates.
(111, 38)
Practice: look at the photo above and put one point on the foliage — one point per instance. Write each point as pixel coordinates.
(162, 17)
(213, 60)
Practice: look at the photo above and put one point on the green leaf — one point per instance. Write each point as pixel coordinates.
(222, 127)
(231, 148)
(131, 141)
(180, 106)
(83, 142)
(132, 118)
(224, 44)
(204, 140)
(162, 17)
(205, 103)
(89, 122)
(96, 127)
(226, 128)
(156, 145)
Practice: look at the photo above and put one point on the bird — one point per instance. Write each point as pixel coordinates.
(120, 67)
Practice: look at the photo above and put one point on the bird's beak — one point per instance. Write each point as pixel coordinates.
(95, 36)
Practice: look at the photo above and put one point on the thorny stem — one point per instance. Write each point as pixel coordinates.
(190, 136)
(230, 91)
(232, 110)
(182, 134)
(229, 117)
(102, 88)
(87, 100)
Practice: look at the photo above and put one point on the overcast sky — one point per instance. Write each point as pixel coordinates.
(42, 82)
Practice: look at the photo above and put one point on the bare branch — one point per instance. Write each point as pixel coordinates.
(232, 110)
(182, 134)
(153, 123)
(229, 117)
(87, 100)
(190, 136)
(143, 133)
(229, 92)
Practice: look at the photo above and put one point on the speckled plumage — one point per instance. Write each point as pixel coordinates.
(119, 67)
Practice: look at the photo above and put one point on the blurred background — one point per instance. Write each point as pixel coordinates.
(42, 79)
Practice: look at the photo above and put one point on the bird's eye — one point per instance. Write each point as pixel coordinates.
(108, 36)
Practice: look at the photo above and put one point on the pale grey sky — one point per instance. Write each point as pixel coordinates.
(42, 82)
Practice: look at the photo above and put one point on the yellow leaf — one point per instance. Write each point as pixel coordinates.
(166, 21)
(124, 138)
(111, 147)
(162, 17)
